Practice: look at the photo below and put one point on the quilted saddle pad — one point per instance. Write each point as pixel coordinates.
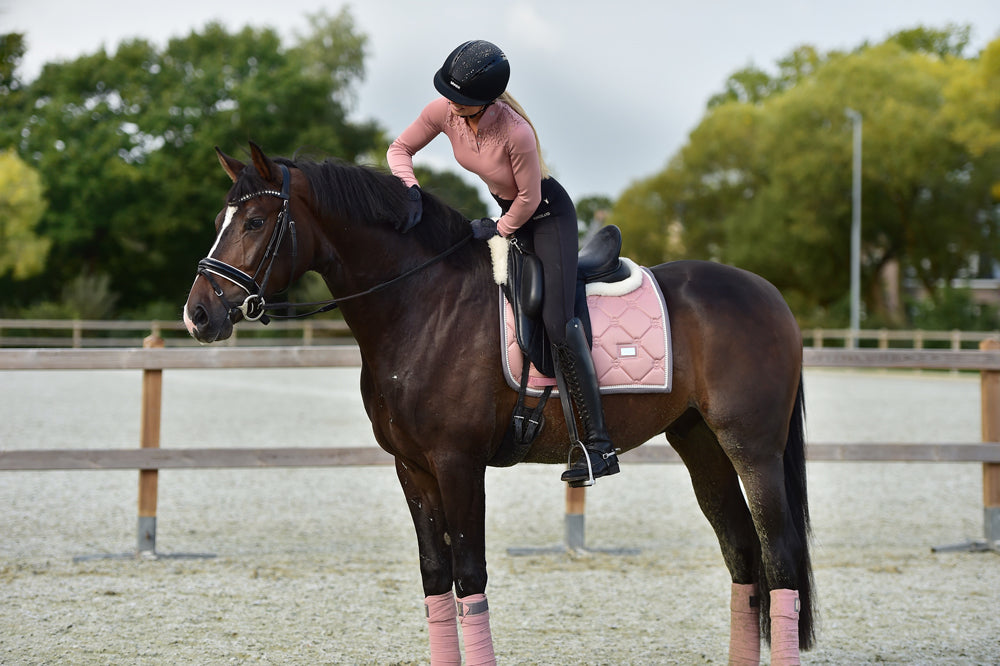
(631, 340)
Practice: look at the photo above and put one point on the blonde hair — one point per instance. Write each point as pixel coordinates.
(509, 100)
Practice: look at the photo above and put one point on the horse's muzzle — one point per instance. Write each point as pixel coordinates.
(207, 324)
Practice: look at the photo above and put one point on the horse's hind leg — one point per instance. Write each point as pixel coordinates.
(717, 489)
(782, 557)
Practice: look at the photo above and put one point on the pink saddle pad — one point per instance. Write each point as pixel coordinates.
(631, 342)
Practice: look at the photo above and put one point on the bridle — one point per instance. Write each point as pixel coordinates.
(254, 307)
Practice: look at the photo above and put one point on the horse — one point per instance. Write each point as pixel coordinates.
(423, 308)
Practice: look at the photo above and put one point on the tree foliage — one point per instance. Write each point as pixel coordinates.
(764, 180)
(124, 143)
(22, 250)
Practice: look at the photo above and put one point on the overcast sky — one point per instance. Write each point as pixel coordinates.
(613, 86)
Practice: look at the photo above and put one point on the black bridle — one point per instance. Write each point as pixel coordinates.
(254, 307)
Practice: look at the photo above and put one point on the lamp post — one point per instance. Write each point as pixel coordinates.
(855, 229)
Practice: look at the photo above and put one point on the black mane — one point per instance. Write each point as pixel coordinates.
(366, 195)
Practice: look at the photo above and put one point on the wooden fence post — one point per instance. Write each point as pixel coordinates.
(990, 391)
(576, 537)
(152, 393)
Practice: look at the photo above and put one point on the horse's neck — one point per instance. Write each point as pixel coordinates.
(440, 309)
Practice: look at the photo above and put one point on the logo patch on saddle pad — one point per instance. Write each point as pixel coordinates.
(631, 340)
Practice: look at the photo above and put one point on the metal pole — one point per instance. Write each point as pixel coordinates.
(855, 229)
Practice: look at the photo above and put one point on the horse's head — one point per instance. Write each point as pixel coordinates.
(255, 250)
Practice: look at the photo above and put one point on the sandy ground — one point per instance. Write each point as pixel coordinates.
(319, 566)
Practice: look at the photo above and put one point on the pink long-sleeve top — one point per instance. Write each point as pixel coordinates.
(503, 153)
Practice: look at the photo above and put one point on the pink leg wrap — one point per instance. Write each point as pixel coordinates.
(442, 627)
(744, 626)
(784, 627)
(474, 615)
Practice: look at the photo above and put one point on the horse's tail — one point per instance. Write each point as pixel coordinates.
(795, 491)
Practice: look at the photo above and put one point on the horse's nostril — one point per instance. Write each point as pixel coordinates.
(200, 318)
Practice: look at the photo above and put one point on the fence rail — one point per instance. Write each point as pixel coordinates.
(215, 458)
(150, 458)
(87, 333)
(83, 333)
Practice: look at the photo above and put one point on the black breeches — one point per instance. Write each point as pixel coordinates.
(552, 234)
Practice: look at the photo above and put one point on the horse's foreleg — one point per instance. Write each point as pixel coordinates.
(465, 508)
(424, 501)
(452, 544)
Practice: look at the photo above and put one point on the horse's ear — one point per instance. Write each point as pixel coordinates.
(267, 169)
(231, 165)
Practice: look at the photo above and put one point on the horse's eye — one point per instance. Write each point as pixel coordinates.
(254, 223)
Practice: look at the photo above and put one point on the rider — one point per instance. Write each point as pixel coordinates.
(492, 137)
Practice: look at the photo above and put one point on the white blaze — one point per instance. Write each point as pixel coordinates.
(230, 213)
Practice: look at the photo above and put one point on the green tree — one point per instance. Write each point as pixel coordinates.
(11, 51)
(124, 143)
(972, 105)
(949, 41)
(752, 85)
(22, 250)
(764, 180)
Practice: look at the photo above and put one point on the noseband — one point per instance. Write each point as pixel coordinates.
(254, 306)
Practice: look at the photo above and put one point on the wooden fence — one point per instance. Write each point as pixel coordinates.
(883, 338)
(94, 333)
(153, 359)
(84, 333)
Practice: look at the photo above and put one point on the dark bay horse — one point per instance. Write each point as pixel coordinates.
(423, 307)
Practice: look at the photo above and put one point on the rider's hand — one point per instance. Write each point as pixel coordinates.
(414, 210)
(484, 228)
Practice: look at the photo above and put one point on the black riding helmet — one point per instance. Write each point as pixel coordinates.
(474, 74)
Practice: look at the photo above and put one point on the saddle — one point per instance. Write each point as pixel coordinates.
(523, 287)
(599, 261)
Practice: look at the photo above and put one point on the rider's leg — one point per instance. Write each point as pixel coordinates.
(556, 245)
(574, 360)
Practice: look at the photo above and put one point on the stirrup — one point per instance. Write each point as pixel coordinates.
(580, 483)
(611, 466)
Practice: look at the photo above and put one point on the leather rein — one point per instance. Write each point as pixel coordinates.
(254, 306)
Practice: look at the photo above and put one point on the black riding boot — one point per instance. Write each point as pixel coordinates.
(577, 366)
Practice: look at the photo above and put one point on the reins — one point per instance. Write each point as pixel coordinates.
(334, 303)
(254, 306)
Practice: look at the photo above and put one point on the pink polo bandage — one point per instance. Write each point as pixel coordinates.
(784, 627)
(744, 625)
(474, 614)
(442, 627)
